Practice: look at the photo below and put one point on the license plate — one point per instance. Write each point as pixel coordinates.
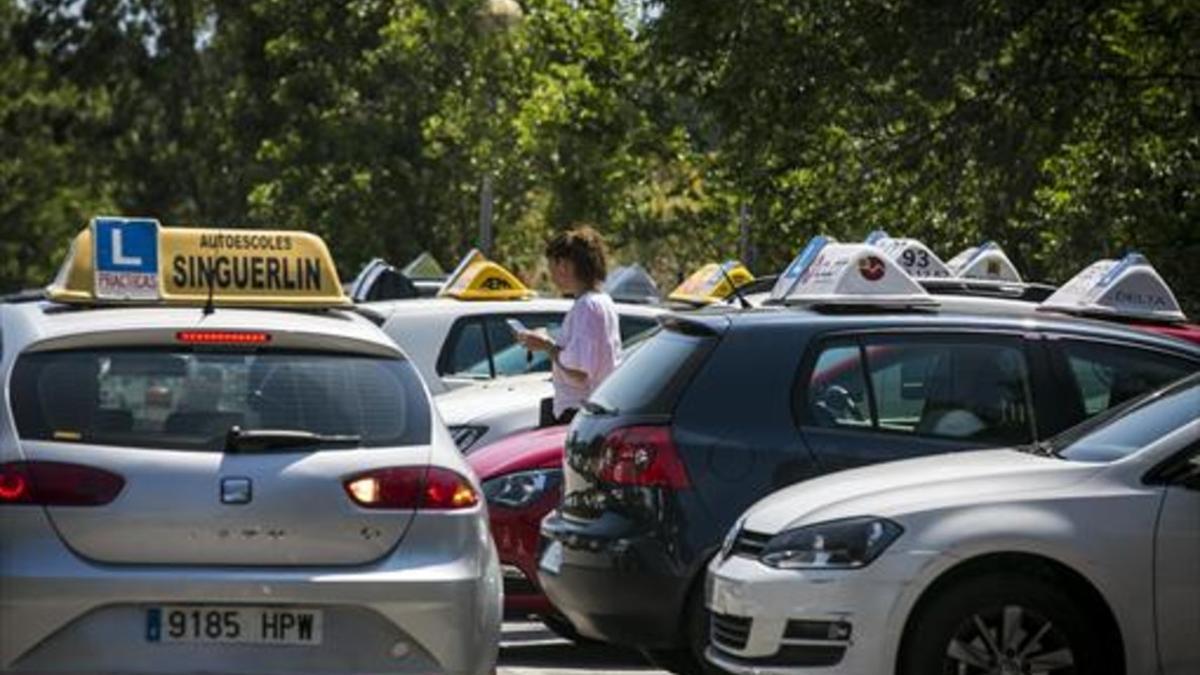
(553, 557)
(239, 625)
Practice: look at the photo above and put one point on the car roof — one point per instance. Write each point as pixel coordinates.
(994, 315)
(27, 323)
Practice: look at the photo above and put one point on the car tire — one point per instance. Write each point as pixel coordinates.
(688, 660)
(982, 623)
(560, 626)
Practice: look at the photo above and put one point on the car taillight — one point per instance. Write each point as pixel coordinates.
(222, 337)
(642, 457)
(57, 484)
(408, 487)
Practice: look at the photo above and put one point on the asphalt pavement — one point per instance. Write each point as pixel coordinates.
(528, 648)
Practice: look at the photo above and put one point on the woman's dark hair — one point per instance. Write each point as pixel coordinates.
(584, 247)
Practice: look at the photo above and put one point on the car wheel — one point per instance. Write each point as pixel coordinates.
(560, 626)
(688, 660)
(1003, 624)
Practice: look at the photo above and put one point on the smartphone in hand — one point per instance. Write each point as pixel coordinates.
(516, 326)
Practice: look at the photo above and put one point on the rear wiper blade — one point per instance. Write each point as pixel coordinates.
(260, 440)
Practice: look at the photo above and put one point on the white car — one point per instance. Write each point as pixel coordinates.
(463, 340)
(489, 411)
(1079, 556)
(228, 471)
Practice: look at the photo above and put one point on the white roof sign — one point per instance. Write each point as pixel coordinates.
(787, 280)
(986, 262)
(1129, 287)
(912, 255)
(853, 274)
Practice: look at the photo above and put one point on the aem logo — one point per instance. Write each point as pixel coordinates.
(496, 284)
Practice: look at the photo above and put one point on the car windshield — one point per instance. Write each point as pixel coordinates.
(1126, 429)
(180, 399)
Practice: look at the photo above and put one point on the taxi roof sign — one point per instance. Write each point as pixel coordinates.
(912, 255)
(829, 273)
(1129, 287)
(710, 283)
(477, 278)
(137, 261)
(986, 262)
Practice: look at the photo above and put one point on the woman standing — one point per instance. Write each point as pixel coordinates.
(589, 345)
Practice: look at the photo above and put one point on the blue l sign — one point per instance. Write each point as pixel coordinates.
(126, 245)
(126, 258)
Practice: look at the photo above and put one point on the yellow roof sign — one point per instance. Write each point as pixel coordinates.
(477, 278)
(136, 260)
(710, 283)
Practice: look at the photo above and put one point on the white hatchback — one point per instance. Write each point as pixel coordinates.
(1080, 556)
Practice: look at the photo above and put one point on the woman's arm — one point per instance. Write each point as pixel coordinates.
(539, 342)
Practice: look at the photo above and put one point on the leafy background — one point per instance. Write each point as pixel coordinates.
(1064, 129)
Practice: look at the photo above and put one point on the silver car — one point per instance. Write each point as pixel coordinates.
(235, 490)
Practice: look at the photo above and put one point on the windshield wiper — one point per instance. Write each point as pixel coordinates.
(261, 440)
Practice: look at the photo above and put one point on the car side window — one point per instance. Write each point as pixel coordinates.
(466, 354)
(511, 358)
(1106, 375)
(973, 389)
(837, 389)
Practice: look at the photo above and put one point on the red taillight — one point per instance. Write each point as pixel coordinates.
(222, 337)
(642, 457)
(408, 487)
(57, 484)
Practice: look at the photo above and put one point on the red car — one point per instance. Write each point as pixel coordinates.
(1183, 331)
(522, 482)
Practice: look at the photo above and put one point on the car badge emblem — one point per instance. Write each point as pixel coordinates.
(236, 491)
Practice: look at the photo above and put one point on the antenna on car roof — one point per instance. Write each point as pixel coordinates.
(209, 305)
(737, 292)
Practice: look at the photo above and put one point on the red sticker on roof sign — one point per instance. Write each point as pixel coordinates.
(871, 268)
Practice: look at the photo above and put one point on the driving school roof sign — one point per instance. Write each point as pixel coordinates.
(829, 273)
(912, 255)
(131, 260)
(477, 278)
(986, 262)
(712, 283)
(1129, 287)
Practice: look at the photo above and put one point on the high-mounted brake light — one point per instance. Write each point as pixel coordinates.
(222, 337)
(410, 487)
(57, 484)
(643, 456)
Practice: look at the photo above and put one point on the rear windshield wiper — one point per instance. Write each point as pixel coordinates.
(261, 440)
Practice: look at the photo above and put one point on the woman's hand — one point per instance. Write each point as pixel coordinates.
(536, 340)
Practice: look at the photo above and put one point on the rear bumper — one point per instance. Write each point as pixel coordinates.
(626, 590)
(414, 611)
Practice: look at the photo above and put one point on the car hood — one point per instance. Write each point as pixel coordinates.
(486, 399)
(899, 488)
(536, 449)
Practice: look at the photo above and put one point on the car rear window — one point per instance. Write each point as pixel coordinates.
(149, 398)
(651, 377)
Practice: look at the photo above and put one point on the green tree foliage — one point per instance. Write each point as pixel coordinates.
(1066, 130)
